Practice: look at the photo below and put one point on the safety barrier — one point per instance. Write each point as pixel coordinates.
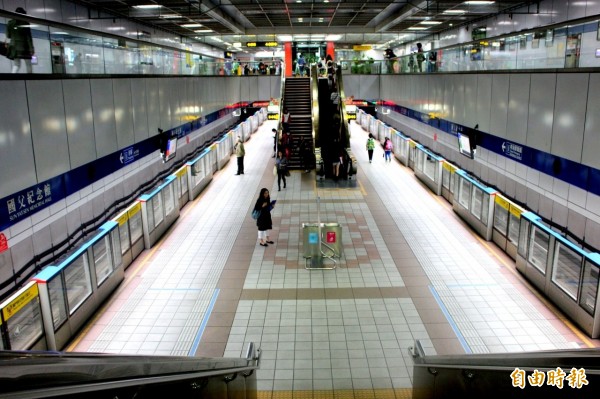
(565, 273)
(49, 310)
(158, 211)
(474, 203)
(131, 232)
(68, 293)
(428, 168)
(568, 275)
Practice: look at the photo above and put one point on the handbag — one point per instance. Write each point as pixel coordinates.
(255, 214)
(274, 170)
(4, 49)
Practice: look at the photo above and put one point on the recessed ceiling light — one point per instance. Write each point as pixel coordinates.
(417, 28)
(430, 22)
(191, 25)
(454, 12)
(479, 3)
(148, 6)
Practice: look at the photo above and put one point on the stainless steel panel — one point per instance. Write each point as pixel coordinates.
(484, 101)
(42, 240)
(458, 105)
(576, 223)
(176, 100)
(80, 121)
(104, 116)
(499, 105)
(58, 230)
(16, 151)
(541, 111)
(470, 116)
(592, 233)
(518, 101)
(138, 107)
(153, 106)
(352, 85)
(244, 88)
(123, 112)
(164, 102)
(369, 86)
(569, 115)
(275, 88)
(73, 219)
(264, 88)
(592, 7)
(591, 138)
(50, 145)
(253, 88)
(560, 11)
(21, 253)
(448, 96)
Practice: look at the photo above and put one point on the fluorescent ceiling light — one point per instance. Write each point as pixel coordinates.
(202, 30)
(479, 3)
(333, 38)
(430, 22)
(285, 38)
(191, 25)
(170, 16)
(317, 36)
(301, 35)
(417, 28)
(148, 6)
(454, 12)
(115, 28)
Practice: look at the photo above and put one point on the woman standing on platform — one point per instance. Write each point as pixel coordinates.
(264, 222)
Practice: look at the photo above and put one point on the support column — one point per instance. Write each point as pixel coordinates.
(287, 48)
(330, 50)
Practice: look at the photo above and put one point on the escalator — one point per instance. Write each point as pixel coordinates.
(296, 100)
(76, 375)
(333, 138)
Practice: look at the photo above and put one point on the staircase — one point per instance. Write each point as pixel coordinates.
(296, 99)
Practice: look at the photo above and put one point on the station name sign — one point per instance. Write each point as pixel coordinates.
(262, 44)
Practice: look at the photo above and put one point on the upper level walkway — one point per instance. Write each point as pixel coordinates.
(411, 269)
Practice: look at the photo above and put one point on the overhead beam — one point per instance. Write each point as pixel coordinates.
(396, 13)
(214, 11)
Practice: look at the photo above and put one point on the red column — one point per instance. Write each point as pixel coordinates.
(330, 50)
(287, 48)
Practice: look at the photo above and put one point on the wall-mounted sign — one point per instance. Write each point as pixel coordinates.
(362, 47)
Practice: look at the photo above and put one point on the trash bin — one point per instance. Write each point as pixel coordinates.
(310, 234)
(331, 234)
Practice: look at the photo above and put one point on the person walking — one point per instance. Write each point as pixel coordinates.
(370, 147)
(387, 147)
(281, 163)
(305, 154)
(240, 152)
(285, 120)
(264, 221)
(274, 142)
(21, 43)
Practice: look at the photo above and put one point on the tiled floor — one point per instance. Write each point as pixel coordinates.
(410, 270)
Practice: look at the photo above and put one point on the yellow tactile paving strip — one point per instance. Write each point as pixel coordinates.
(402, 393)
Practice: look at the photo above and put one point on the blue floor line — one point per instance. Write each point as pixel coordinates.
(461, 339)
(211, 305)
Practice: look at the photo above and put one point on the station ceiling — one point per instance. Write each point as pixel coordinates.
(374, 22)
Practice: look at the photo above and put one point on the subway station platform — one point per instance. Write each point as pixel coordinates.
(411, 269)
